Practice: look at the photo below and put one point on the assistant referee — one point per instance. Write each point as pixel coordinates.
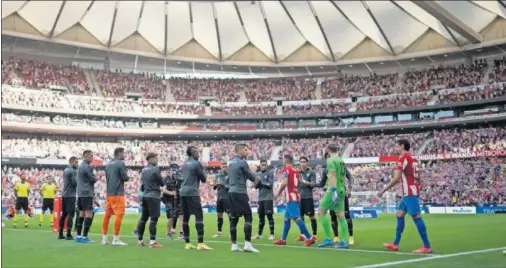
(21, 191)
(47, 190)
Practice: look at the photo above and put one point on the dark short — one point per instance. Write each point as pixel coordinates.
(173, 208)
(47, 203)
(22, 203)
(151, 206)
(222, 205)
(307, 207)
(266, 207)
(239, 204)
(69, 205)
(191, 205)
(85, 203)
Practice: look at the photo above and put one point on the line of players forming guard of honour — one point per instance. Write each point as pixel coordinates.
(180, 193)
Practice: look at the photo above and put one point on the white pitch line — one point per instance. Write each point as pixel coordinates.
(265, 245)
(444, 256)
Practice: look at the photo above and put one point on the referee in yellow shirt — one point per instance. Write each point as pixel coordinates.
(21, 191)
(47, 190)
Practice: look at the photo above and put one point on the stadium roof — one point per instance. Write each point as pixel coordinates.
(278, 33)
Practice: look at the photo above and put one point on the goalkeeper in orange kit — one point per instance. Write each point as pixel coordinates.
(116, 176)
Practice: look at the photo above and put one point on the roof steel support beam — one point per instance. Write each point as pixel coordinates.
(448, 19)
(113, 24)
(57, 19)
(217, 31)
(321, 30)
(379, 27)
(270, 34)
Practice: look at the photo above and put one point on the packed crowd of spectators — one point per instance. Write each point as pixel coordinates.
(385, 144)
(189, 90)
(498, 73)
(42, 75)
(64, 147)
(359, 85)
(397, 101)
(288, 88)
(310, 148)
(460, 140)
(243, 110)
(116, 84)
(324, 107)
(259, 149)
(478, 93)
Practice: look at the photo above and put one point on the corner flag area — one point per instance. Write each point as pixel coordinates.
(457, 241)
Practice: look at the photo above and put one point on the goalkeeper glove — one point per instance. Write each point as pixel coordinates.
(335, 196)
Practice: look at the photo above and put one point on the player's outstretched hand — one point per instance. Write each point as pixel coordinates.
(380, 194)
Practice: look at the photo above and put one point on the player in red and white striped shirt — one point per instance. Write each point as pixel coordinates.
(408, 174)
(290, 185)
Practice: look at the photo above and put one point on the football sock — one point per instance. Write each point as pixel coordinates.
(70, 219)
(350, 226)
(140, 229)
(271, 223)
(15, 218)
(41, 218)
(399, 230)
(303, 228)
(220, 224)
(248, 227)
(344, 229)
(152, 228)
(25, 217)
(286, 228)
(79, 225)
(314, 226)
(261, 224)
(199, 225)
(334, 228)
(233, 230)
(51, 217)
(422, 230)
(87, 225)
(324, 220)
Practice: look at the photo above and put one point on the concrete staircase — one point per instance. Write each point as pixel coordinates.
(353, 107)
(426, 143)
(92, 82)
(242, 96)
(275, 153)
(208, 111)
(168, 93)
(318, 91)
(349, 148)
(487, 72)
(206, 154)
(279, 110)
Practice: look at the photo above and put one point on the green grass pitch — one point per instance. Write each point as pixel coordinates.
(457, 240)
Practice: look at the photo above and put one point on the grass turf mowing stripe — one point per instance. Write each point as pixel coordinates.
(262, 245)
(444, 256)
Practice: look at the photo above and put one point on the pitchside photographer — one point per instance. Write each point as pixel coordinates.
(172, 201)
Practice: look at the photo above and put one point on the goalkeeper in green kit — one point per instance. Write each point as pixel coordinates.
(334, 199)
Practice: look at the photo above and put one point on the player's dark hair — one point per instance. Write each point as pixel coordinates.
(190, 150)
(239, 147)
(72, 159)
(404, 143)
(118, 151)
(327, 155)
(289, 157)
(332, 148)
(86, 152)
(303, 157)
(263, 161)
(151, 155)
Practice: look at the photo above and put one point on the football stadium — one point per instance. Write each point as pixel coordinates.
(253, 134)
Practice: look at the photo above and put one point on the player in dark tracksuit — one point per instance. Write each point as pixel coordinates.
(152, 182)
(307, 181)
(68, 198)
(333, 216)
(238, 174)
(85, 192)
(221, 186)
(265, 199)
(193, 175)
